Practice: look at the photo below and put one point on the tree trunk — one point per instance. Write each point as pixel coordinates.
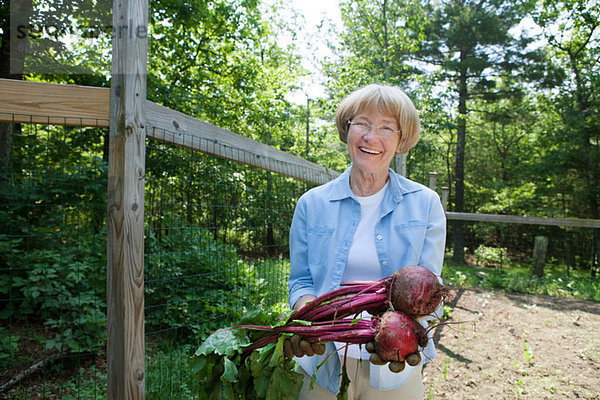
(591, 158)
(12, 62)
(459, 236)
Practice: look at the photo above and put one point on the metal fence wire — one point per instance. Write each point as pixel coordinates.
(216, 244)
(52, 263)
(568, 248)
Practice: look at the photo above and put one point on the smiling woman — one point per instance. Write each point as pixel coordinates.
(396, 130)
(363, 226)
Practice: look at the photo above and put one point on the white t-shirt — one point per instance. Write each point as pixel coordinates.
(362, 263)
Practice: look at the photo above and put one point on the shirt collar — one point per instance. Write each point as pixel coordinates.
(398, 187)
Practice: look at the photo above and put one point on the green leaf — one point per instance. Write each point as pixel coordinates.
(199, 364)
(224, 342)
(254, 317)
(344, 384)
(230, 371)
(258, 360)
(284, 385)
(261, 385)
(278, 358)
(285, 317)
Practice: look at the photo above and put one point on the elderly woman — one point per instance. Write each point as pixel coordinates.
(364, 225)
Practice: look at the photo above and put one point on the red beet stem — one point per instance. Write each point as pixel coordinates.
(358, 304)
(346, 330)
(349, 289)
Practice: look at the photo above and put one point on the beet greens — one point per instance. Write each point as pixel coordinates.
(248, 361)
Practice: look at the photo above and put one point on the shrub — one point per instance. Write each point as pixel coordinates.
(194, 282)
(490, 256)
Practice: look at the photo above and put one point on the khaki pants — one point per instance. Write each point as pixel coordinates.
(360, 389)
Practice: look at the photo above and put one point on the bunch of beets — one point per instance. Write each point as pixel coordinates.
(392, 335)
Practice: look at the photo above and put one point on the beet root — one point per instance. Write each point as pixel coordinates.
(416, 291)
(399, 336)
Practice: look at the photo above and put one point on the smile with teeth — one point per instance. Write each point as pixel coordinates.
(369, 151)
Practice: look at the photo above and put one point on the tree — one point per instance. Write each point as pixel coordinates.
(472, 45)
(11, 67)
(32, 43)
(459, 47)
(571, 28)
(220, 61)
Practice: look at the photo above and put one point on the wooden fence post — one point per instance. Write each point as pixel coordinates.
(432, 180)
(445, 191)
(401, 164)
(126, 178)
(539, 255)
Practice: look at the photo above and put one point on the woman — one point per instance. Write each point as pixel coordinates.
(364, 225)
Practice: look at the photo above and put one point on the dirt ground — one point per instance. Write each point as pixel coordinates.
(516, 347)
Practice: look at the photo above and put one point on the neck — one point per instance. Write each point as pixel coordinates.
(364, 184)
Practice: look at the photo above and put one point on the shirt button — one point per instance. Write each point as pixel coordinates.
(384, 263)
(379, 237)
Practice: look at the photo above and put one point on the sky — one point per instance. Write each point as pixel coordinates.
(314, 12)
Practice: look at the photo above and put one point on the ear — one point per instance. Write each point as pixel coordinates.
(400, 146)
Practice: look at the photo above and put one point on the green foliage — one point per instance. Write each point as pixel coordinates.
(220, 61)
(196, 281)
(447, 312)
(52, 236)
(8, 347)
(490, 256)
(66, 294)
(226, 372)
(572, 138)
(555, 282)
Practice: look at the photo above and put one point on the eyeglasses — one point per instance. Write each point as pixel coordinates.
(363, 127)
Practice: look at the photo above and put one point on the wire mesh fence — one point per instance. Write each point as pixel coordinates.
(216, 244)
(570, 248)
(508, 256)
(52, 262)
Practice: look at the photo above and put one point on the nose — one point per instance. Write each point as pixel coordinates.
(371, 132)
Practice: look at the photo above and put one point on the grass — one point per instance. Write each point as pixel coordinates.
(518, 278)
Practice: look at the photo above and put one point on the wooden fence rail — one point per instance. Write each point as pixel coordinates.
(73, 105)
(516, 219)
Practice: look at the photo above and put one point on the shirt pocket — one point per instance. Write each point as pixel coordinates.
(410, 239)
(319, 238)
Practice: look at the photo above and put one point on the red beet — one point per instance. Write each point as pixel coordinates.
(416, 291)
(399, 336)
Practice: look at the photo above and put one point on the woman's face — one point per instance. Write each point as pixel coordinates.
(373, 140)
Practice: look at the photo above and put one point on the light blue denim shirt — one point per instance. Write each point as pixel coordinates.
(411, 231)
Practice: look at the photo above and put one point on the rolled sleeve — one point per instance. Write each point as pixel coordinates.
(432, 254)
(300, 281)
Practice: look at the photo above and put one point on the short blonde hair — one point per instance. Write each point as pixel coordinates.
(389, 100)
